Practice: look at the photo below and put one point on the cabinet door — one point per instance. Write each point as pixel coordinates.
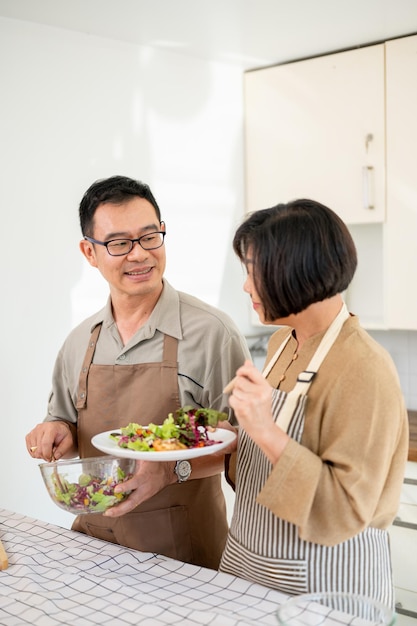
(403, 537)
(403, 541)
(401, 231)
(315, 129)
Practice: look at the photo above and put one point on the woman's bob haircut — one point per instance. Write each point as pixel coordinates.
(302, 253)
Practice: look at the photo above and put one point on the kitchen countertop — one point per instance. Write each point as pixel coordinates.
(58, 576)
(412, 452)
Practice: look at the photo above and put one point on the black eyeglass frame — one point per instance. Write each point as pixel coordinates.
(132, 242)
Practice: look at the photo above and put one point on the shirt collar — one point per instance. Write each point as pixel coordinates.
(165, 317)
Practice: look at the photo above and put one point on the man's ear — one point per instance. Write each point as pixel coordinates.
(162, 224)
(88, 251)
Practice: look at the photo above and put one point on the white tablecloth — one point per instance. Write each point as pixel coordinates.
(56, 576)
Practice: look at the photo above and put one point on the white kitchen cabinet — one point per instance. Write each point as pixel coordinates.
(315, 129)
(400, 230)
(403, 537)
(342, 129)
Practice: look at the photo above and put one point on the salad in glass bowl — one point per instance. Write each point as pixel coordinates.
(87, 485)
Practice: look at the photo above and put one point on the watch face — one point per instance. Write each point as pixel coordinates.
(183, 470)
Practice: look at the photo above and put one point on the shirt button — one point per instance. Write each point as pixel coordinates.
(122, 357)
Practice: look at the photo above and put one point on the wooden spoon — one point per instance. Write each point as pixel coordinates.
(4, 562)
(227, 389)
(230, 385)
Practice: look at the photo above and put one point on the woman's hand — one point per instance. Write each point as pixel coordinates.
(251, 401)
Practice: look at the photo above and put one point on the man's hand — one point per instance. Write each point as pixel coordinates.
(149, 478)
(51, 440)
(233, 446)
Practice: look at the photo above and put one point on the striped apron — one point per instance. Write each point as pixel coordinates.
(266, 549)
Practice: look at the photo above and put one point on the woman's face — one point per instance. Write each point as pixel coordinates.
(249, 288)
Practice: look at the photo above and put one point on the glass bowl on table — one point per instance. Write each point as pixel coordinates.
(333, 608)
(87, 485)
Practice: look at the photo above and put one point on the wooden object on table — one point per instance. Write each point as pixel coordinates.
(412, 420)
(4, 563)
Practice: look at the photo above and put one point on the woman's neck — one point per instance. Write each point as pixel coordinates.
(315, 319)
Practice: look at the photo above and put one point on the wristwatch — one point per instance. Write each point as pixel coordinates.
(182, 470)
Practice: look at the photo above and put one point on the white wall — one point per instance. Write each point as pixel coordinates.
(402, 346)
(74, 108)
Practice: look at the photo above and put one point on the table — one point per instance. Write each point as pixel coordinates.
(57, 576)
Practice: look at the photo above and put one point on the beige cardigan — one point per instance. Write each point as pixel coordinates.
(347, 473)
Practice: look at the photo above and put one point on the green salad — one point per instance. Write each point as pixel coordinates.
(90, 492)
(188, 427)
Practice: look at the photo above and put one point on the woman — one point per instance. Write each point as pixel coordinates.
(323, 434)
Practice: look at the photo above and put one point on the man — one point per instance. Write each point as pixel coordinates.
(148, 352)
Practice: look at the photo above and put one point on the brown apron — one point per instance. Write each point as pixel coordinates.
(184, 521)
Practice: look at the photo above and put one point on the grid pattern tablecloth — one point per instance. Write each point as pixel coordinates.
(57, 576)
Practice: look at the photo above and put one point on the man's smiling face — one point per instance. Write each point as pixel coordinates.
(138, 273)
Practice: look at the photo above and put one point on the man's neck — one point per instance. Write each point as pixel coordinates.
(131, 312)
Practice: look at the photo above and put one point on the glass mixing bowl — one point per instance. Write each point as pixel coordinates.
(87, 485)
(334, 608)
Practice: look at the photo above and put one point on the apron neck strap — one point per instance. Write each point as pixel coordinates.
(305, 378)
(88, 359)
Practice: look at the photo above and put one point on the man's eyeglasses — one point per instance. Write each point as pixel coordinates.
(119, 247)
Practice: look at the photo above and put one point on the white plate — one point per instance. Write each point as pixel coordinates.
(103, 442)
